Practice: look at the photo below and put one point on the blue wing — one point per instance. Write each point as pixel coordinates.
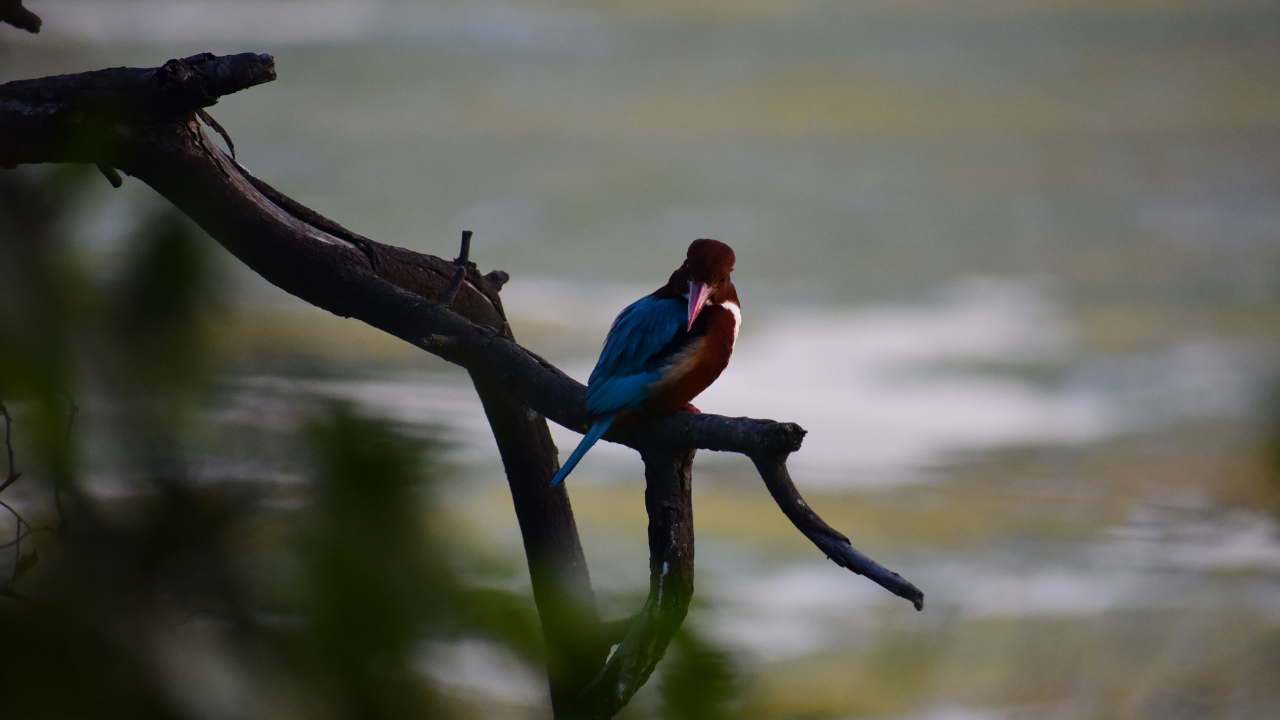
(633, 355)
(632, 360)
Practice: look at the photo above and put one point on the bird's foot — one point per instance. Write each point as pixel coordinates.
(689, 407)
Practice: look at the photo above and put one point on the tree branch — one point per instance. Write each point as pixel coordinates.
(668, 499)
(68, 118)
(13, 474)
(773, 468)
(17, 540)
(143, 122)
(12, 12)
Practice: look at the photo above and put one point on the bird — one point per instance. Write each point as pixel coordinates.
(665, 348)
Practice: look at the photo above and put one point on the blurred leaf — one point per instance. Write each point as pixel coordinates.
(42, 290)
(698, 680)
(507, 617)
(164, 302)
(179, 597)
(374, 584)
(26, 563)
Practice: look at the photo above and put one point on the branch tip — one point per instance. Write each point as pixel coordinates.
(12, 12)
(111, 175)
(198, 81)
(464, 254)
(832, 543)
(497, 279)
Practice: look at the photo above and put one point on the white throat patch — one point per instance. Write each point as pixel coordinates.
(732, 307)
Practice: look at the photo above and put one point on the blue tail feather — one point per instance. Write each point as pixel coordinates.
(588, 440)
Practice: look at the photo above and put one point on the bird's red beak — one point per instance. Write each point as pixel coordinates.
(698, 294)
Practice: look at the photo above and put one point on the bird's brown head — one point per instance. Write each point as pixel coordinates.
(706, 269)
(709, 261)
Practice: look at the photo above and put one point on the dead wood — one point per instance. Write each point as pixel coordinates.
(147, 123)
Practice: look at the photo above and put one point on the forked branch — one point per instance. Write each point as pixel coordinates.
(144, 122)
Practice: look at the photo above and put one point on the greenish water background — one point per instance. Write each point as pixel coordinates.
(1014, 265)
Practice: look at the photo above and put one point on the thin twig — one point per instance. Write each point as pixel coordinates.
(208, 120)
(464, 263)
(13, 476)
(464, 254)
(9, 480)
(20, 538)
(17, 539)
(773, 470)
(451, 290)
(21, 520)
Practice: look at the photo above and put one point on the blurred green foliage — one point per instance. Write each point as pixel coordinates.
(170, 597)
(699, 681)
(139, 587)
(163, 304)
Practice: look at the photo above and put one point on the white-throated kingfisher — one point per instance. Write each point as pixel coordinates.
(666, 347)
